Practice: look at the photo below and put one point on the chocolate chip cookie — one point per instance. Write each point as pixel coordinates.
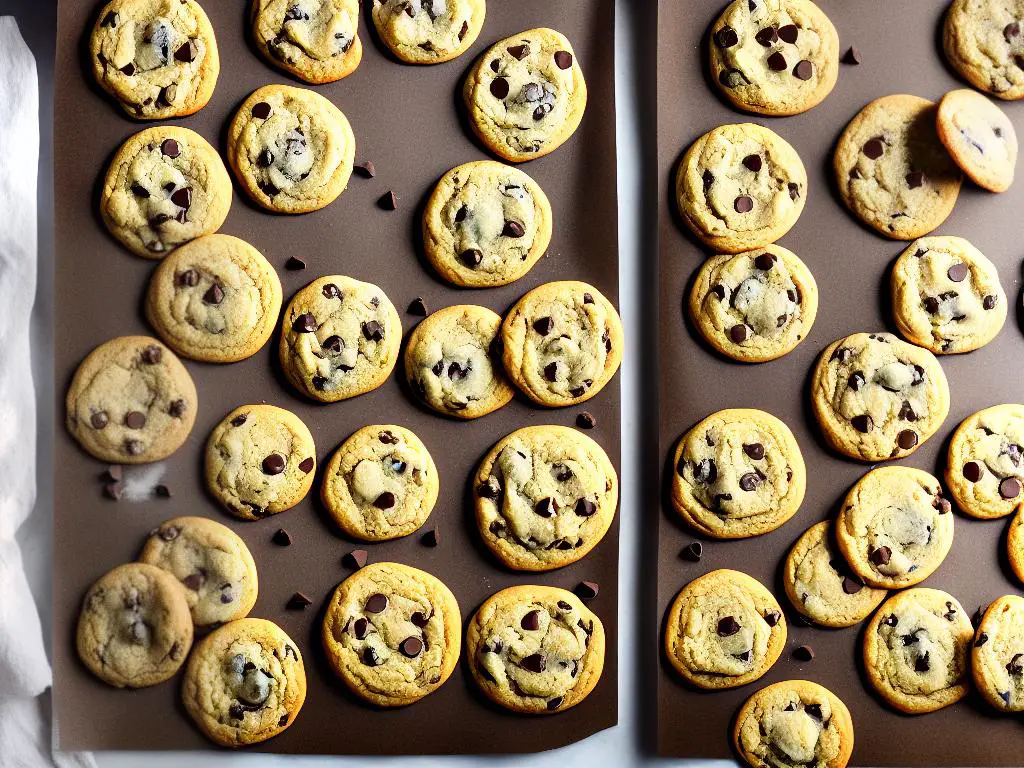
(983, 42)
(526, 95)
(876, 397)
(392, 633)
(980, 138)
(131, 401)
(740, 187)
(536, 650)
(135, 629)
(738, 473)
(997, 660)
(1015, 545)
(428, 31)
(314, 40)
(724, 630)
(545, 497)
(984, 470)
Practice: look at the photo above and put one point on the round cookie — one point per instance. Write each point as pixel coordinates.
(486, 224)
(1015, 545)
(892, 171)
(339, 338)
(291, 149)
(216, 299)
(794, 724)
(916, 648)
(428, 31)
(876, 397)
(135, 629)
(777, 57)
(260, 460)
(754, 306)
(740, 187)
(562, 343)
(738, 473)
(997, 661)
(946, 295)
(157, 58)
(983, 42)
(545, 497)
(451, 364)
(392, 633)
(131, 401)
(821, 586)
(534, 649)
(985, 466)
(212, 563)
(526, 95)
(245, 683)
(380, 484)
(980, 138)
(313, 40)
(895, 528)
(724, 630)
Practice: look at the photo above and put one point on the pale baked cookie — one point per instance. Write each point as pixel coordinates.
(997, 661)
(339, 338)
(536, 650)
(983, 42)
(985, 466)
(486, 224)
(212, 563)
(740, 187)
(774, 57)
(291, 149)
(754, 306)
(916, 649)
(380, 484)
(562, 343)
(131, 401)
(216, 299)
(545, 497)
(526, 95)
(892, 171)
(157, 58)
(1015, 545)
(894, 527)
(946, 295)
(392, 633)
(794, 724)
(877, 397)
(314, 40)
(820, 584)
(260, 460)
(724, 630)
(738, 473)
(245, 683)
(980, 138)
(428, 31)
(135, 629)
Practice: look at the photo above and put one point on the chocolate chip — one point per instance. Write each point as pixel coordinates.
(376, 603)
(765, 261)
(880, 556)
(726, 37)
(958, 272)
(110, 20)
(214, 295)
(943, 506)
(907, 439)
(518, 52)
(989, 302)
(388, 201)
(777, 62)
(586, 420)
(555, 703)
(513, 229)
(186, 52)
(585, 508)
(162, 491)
(693, 551)
(431, 538)
(170, 148)
(563, 59)
(814, 710)
(1016, 665)
(544, 325)
(754, 450)
(294, 263)
(874, 148)
(921, 664)
(471, 257)
(981, 640)
(128, 69)
(891, 620)
(587, 590)
(851, 586)
(419, 619)
(750, 481)
(370, 657)
(743, 204)
(366, 169)
(261, 110)
(114, 490)
(706, 471)
(772, 618)
(530, 621)
(306, 465)
(804, 653)
(114, 473)
(331, 291)
(862, 423)
(752, 163)
(804, 70)
(489, 489)
(1010, 31)
(738, 333)
(789, 33)
(282, 538)
(417, 307)
(1010, 488)
(728, 627)
(373, 331)
(298, 601)
(973, 471)
(359, 628)
(411, 647)
(135, 420)
(167, 95)
(385, 501)
(767, 36)
(545, 507)
(499, 88)
(304, 323)
(852, 56)
(551, 371)
(534, 663)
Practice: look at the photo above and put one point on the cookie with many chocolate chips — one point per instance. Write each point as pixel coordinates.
(916, 650)
(774, 57)
(428, 31)
(876, 397)
(131, 401)
(392, 633)
(536, 650)
(526, 95)
(135, 629)
(946, 295)
(314, 40)
(486, 224)
(997, 660)
(980, 138)
(245, 683)
(985, 465)
(380, 484)
(1015, 545)
(165, 186)
(157, 58)
(984, 42)
(724, 630)
(892, 170)
(738, 473)
(740, 187)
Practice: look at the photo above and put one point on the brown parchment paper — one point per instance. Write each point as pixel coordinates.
(408, 121)
(900, 46)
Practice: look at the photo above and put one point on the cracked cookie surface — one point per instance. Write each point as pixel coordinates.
(983, 41)
(428, 31)
(980, 138)
(997, 659)
(314, 40)
(985, 465)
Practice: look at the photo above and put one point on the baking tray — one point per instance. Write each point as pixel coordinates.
(409, 122)
(900, 47)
